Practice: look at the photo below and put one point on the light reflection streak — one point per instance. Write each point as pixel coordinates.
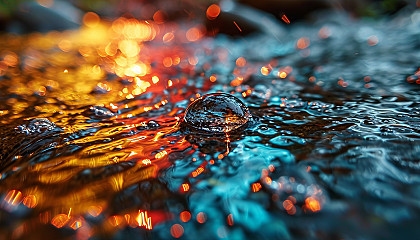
(144, 220)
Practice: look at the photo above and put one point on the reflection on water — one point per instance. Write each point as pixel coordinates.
(93, 145)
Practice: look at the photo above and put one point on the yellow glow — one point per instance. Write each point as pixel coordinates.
(144, 220)
(282, 74)
(129, 47)
(155, 79)
(265, 70)
(161, 154)
(312, 204)
(185, 187)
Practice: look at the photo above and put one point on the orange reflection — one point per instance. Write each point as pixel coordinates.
(237, 26)
(285, 19)
(91, 19)
(144, 220)
(201, 217)
(76, 223)
(185, 216)
(13, 197)
(159, 17)
(256, 187)
(193, 34)
(265, 70)
(199, 170)
(240, 62)
(312, 204)
(288, 205)
(11, 59)
(94, 211)
(30, 201)
(292, 211)
(177, 230)
(213, 11)
(185, 187)
(303, 43)
(60, 220)
(161, 154)
(282, 74)
(213, 78)
(230, 219)
(116, 220)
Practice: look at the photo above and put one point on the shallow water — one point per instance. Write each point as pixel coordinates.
(93, 145)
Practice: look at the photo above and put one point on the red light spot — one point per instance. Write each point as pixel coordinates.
(213, 11)
(185, 216)
(303, 43)
(185, 187)
(285, 19)
(237, 26)
(159, 17)
(292, 211)
(177, 230)
(240, 62)
(256, 187)
(268, 180)
(288, 205)
(230, 219)
(201, 217)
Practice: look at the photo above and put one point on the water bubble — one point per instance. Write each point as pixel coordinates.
(217, 112)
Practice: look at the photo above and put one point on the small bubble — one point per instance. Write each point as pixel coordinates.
(217, 112)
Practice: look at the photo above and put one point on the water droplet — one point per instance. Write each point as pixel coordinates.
(101, 112)
(217, 112)
(152, 124)
(39, 125)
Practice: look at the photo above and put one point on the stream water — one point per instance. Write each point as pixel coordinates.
(93, 144)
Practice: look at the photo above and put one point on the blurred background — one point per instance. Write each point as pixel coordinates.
(21, 16)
